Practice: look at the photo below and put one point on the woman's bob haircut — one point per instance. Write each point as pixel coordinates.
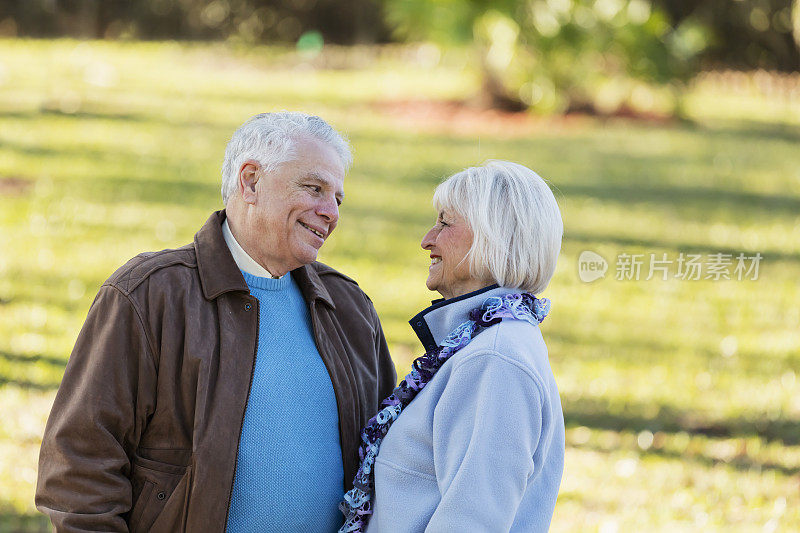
(515, 221)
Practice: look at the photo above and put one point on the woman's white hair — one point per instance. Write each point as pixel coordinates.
(515, 221)
(270, 139)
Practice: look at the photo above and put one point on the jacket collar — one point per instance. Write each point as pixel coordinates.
(436, 322)
(311, 284)
(219, 273)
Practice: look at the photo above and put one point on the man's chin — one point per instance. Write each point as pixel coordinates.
(307, 255)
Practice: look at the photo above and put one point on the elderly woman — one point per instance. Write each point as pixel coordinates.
(481, 446)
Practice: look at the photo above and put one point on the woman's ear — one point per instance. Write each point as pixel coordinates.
(247, 179)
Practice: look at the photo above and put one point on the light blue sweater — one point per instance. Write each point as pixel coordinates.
(481, 448)
(289, 474)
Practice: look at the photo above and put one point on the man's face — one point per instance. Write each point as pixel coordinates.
(296, 207)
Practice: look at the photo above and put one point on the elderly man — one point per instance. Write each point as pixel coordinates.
(222, 385)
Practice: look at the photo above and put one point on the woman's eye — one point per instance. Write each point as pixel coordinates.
(315, 188)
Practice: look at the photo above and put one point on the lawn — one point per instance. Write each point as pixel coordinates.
(681, 397)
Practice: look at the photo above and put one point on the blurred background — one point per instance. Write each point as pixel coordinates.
(665, 127)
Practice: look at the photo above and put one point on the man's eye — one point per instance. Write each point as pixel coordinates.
(315, 188)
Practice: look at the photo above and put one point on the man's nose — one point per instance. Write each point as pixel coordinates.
(329, 210)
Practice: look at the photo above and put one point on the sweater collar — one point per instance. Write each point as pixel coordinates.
(433, 324)
(219, 273)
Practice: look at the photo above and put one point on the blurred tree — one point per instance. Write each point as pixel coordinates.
(746, 33)
(743, 33)
(561, 55)
(356, 21)
(796, 22)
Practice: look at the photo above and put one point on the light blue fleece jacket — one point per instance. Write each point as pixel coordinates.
(481, 447)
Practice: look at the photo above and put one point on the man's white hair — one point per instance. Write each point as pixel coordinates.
(271, 138)
(514, 219)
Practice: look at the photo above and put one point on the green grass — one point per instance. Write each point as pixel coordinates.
(681, 398)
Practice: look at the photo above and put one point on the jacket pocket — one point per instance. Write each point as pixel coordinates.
(173, 516)
(155, 489)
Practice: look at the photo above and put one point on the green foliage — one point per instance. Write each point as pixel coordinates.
(250, 21)
(745, 34)
(680, 397)
(556, 55)
(796, 22)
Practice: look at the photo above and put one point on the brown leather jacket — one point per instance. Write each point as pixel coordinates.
(144, 431)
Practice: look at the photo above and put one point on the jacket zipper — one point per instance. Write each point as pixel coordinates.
(241, 426)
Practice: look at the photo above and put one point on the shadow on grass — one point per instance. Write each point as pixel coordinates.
(84, 115)
(29, 385)
(654, 244)
(742, 462)
(681, 196)
(154, 192)
(120, 154)
(167, 191)
(56, 365)
(78, 115)
(635, 417)
(749, 130)
(11, 522)
(631, 349)
(17, 358)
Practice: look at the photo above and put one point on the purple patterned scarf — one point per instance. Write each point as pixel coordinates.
(357, 503)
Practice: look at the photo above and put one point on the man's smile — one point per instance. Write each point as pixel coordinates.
(312, 230)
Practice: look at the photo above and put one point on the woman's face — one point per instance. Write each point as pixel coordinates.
(448, 242)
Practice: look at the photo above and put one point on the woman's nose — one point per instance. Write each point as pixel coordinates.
(429, 239)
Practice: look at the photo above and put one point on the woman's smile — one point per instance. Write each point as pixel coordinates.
(449, 242)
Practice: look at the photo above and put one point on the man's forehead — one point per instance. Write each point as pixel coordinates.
(303, 145)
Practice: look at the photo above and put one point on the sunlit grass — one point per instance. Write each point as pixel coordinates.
(681, 397)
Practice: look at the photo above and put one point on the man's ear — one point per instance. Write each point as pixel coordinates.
(246, 180)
